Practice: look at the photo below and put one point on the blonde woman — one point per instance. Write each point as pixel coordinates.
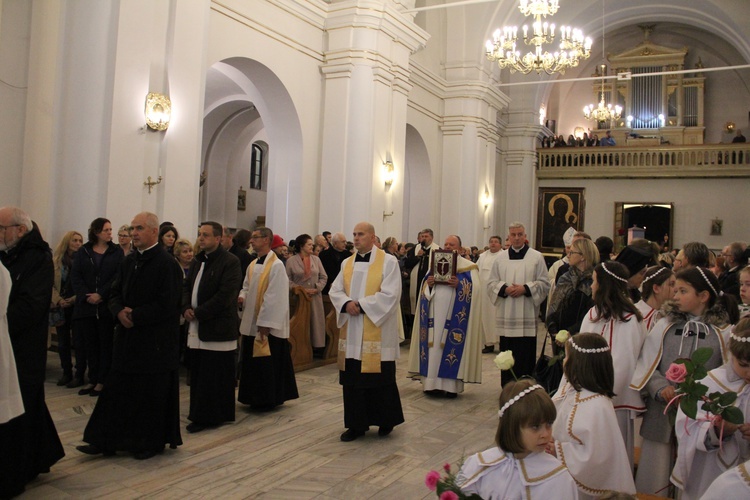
(63, 299)
(124, 239)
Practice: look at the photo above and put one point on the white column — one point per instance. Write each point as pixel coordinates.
(366, 71)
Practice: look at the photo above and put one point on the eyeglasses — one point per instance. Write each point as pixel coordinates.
(3, 228)
(573, 252)
(123, 236)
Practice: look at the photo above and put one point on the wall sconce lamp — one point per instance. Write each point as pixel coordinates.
(158, 111)
(389, 172)
(729, 127)
(486, 199)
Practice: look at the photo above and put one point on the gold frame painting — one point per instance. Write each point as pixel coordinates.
(558, 210)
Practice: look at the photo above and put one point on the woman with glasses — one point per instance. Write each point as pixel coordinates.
(572, 297)
(94, 268)
(124, 239)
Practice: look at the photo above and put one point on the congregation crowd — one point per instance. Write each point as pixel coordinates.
(129, 315)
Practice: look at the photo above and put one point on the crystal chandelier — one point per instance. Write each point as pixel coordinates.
(573, 44)
(604, 112)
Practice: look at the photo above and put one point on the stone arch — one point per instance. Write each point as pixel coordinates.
(247, 103)
(417, 185)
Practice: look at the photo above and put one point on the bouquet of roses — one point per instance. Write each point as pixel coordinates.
(446, 487)
(687, 373)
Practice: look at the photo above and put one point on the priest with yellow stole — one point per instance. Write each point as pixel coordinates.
(446, 343)
(366, 295)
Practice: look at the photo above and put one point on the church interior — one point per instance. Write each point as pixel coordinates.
(313, 115)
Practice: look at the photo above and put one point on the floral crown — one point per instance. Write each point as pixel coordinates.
(517, 398)
(705, 278)
(620, 278)
(658, 271)
(587, 351)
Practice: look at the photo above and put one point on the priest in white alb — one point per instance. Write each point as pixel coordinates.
(366, 295)
(485, 262)
(267, 373)
(518, 284)
(446, 348)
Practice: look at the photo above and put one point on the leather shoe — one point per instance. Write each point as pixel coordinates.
(451, 395)
(385, 430)
(488, 349)
(85, 390)
(64, 380)
(94, 393)
(76, 382)
(91, 449)
(145, 454)
(193, 427)
(351, 435)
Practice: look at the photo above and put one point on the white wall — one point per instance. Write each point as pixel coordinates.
(696, 203)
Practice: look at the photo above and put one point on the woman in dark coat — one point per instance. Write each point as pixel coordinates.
(94, 267)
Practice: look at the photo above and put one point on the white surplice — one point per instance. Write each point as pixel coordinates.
(700, 459)
(274, 312)
(517, 317)
(485, 263)
(588, 443)
(496, 475)
(11, 404)
(382, 308)
(650, 315)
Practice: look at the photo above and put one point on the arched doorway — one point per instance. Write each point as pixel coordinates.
(246, 104)
(418, 212)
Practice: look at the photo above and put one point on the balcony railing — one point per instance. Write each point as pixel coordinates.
(703, 160)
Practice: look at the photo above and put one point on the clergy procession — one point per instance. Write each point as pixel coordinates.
(644, 390)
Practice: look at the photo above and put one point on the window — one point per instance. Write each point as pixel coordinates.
(256, 167)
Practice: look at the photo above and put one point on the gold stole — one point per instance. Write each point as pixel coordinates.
(372, 335)
(263, 281)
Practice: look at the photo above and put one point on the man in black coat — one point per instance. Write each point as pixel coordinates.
(29, 444)
(209, 303)
(139, 408)
(332, 257)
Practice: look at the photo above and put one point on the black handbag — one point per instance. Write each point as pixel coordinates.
(548, 375)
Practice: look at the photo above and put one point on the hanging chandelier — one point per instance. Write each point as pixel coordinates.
(603, 112)
(573, 44)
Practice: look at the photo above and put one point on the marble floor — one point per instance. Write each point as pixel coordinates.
(291, 452)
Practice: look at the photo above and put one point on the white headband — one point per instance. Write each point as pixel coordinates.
(613, 274)
(515, 399)
(587, 351)
(718, 294)
(738, 339)
(654, 275)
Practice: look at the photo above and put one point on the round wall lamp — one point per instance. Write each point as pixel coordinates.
(158, 111)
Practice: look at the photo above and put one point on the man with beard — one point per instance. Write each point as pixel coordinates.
(29, 444)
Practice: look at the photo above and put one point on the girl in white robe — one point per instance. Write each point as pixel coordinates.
(587, 439)
(704, 449)
(696, 318)
(734, 483)
(656, 289)
(518, 467)
(615, 317)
